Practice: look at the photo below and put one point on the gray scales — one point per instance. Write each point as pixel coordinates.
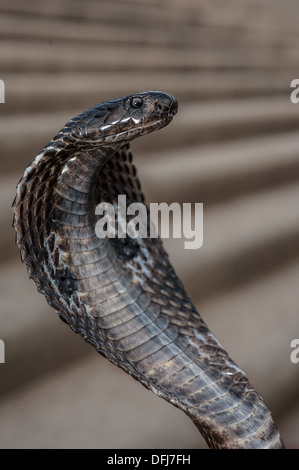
(122, 295)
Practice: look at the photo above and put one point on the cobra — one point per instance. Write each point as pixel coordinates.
(122, 295)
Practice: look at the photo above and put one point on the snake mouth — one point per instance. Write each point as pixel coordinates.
(139, 130)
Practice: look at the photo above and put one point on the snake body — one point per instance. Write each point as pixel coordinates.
(122, 294)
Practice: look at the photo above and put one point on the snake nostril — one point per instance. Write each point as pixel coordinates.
(174, 107)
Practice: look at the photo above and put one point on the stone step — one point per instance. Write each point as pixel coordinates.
(263, 17)
(30, 93)
(242, 239)
(116, 13)
(44, 56)
(269, 16)
(34, 337)
(223, 120)
(112, 410)
(213, 173)
(13, 26)
(196, 123)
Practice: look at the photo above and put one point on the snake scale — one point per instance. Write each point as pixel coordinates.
(122, 294)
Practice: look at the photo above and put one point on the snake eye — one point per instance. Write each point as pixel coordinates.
(136, 102)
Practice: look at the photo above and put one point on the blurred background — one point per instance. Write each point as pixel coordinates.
(234, 146)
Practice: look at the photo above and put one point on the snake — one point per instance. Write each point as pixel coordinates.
(121, 294)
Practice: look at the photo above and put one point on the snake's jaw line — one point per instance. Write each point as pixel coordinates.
(122, 295)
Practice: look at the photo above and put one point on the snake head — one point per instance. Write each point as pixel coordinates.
(123, 119)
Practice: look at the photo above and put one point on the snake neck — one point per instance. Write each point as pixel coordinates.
(58, 191)
(76, 190)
